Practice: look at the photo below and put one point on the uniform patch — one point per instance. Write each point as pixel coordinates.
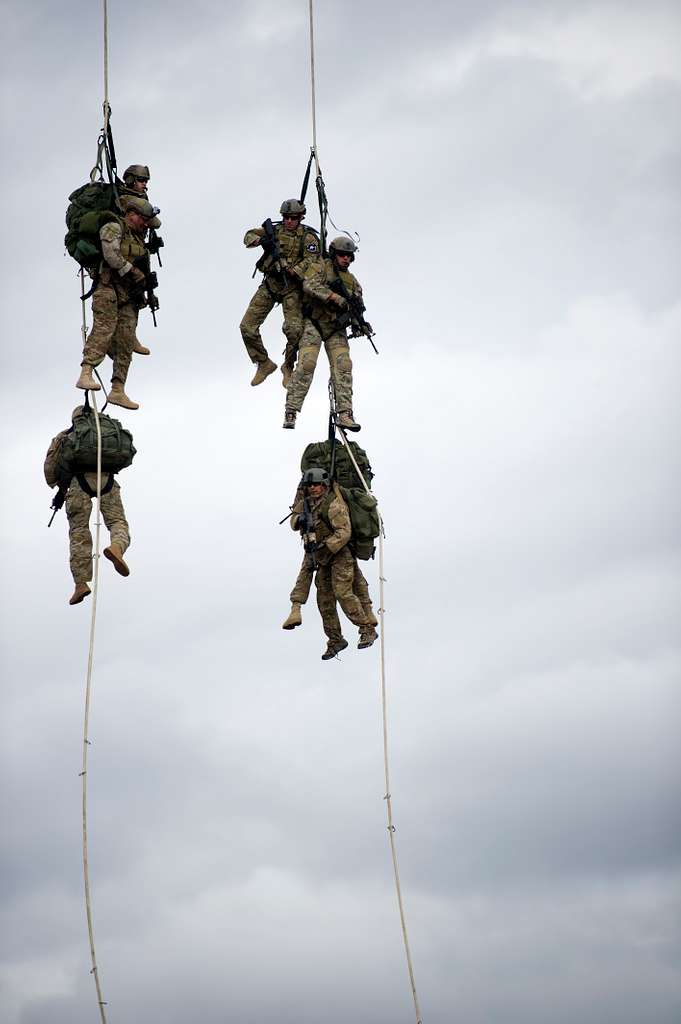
(312, 247)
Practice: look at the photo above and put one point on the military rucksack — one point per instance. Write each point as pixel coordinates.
(363, 507)
(318, 453)
(78, 451)
(90, 207)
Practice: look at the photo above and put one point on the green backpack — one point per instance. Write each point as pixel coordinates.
(90, 207)
(363, 507)
(78, 452)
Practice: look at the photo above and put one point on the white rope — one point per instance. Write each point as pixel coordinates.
(384, 713)
(88, 693)
(106, 64)
(313, 91)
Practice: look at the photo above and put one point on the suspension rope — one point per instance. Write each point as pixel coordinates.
(384, 713)
(88, 682)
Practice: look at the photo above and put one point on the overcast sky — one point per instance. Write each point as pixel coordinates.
(513, 172)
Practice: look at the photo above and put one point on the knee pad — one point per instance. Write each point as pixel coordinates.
(344, 363)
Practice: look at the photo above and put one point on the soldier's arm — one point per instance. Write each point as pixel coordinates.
(111, 236)
(297, 509)
(253, 237)
(339, 517)
(314, 283)
(50, 467)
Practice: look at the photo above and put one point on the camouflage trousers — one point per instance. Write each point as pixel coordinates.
(78, 511)
(259, 308)
(114, 322)
(338, 351)
(341, 581)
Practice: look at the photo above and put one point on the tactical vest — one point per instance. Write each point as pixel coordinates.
(322, 314)
(291, 246)
(320, 513)
(132, 246)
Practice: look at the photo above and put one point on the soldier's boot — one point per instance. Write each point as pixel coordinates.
(264, 370)
(80, 593)
(367, 635)
(141, 349)
(117, 396)
(115, 555)
(333, 648)
(289, 419)
(286, 372)
(295, 617)
(346, 421)
(86, 382)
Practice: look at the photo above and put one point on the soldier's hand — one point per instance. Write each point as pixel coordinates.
(137, 275)
(338, 300)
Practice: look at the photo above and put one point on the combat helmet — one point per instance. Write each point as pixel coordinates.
(314, 475)
(136, 171)
(141, 206)
(343, 246)
(292, 208)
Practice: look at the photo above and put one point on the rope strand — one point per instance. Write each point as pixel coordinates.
(384, 715)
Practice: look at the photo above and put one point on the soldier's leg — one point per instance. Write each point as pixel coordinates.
(292, 308)
(113, 514)
(259, 308)
(301, 378)
(342, 579)
(301, 588)
(78, 510)
(361, 588)
(338, 351)
(326, 602)
(123, 341)
(104, 320)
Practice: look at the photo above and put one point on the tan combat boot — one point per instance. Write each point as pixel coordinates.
(286, 372)
(333, 648)
(367, 635)
(86, 382)
(141, 349)
(345, 420)
(263, 371)
(117, 396)
(80, 593)
(289, 419)
(115, 555)
(295, 617)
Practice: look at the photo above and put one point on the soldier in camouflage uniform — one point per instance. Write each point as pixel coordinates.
(322, 325)
(338, 578)
(115, 307)
(78, 511)
(298, 245)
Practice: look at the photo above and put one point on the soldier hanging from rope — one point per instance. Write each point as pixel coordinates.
(124, 284)
(332, 304)
(322, 516)
(288, 246)
(73, 470)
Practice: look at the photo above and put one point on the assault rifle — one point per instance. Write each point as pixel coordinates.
(272, 248)
(306, 527)
(144, 291)
(58, 501)
(353, 315)
(153, 243)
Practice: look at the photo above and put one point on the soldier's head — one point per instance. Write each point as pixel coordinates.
(315, 481)
(139, 214)
(342, 251)
(136, 177)
(292, 212)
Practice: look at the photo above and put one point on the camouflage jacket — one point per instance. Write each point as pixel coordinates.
(298, 248)
(120, 246)
(317, 288)
(331, 520)
(51, 465)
